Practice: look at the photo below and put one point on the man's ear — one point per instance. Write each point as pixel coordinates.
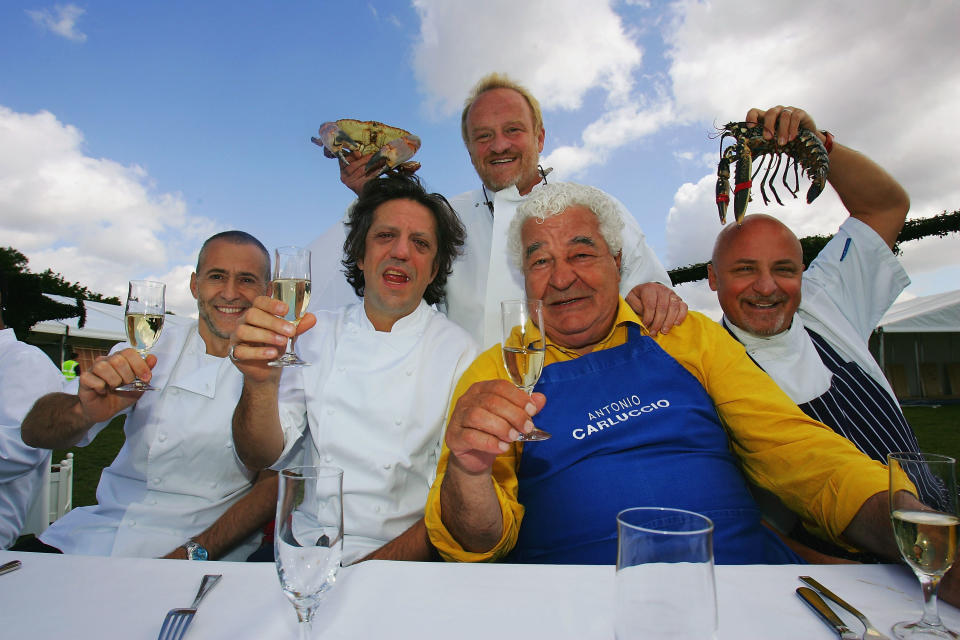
(540, 139)
(711, 277)
(193, 285)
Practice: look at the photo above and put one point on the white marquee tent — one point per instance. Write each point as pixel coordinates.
(918, 345)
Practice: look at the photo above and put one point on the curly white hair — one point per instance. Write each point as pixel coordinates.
(556, 197)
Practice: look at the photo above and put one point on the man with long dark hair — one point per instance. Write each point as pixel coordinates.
(381, 373)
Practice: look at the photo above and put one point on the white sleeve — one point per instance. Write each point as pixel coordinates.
(329, 287)
(859, 273)
(639, 264)
(292, 408)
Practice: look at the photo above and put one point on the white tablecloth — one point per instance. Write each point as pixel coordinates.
(84, 598)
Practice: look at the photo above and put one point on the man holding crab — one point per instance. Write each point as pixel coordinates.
(502, 128)
(809, 329)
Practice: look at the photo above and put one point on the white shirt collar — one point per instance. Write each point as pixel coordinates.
(790, 358)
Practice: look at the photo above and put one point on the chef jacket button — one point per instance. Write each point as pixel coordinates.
(329, 412)
(398, 422)
(162, 437)
(213, 485)
(151, 501)
(377, 508)
(329, 458)
(409, 372)
(155, 481)
(341, 369)
(387, 466)
(229, 445)
(132, 523)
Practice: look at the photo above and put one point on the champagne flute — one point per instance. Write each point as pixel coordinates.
(524, 348)
(923, 509)
(308, 542)
(291, 284)
(143, 317)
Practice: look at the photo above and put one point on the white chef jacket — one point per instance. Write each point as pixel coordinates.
(177, 472)
(844, 293)
(376, 404)
(470, 302)
(26, 373)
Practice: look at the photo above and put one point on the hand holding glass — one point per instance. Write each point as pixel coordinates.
(524, 348)
(291, 284)
(143, 317)
(308, 542)
(923, 510)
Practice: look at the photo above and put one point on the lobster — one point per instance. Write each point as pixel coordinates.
(805, 151)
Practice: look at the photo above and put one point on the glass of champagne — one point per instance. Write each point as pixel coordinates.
(923, 509)
(291, 284)
(308, 542)
(143, 317)
(524, 348)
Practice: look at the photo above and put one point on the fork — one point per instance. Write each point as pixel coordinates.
(177, 620)
(870, 631)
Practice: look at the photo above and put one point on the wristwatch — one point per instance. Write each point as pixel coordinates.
(195, 550)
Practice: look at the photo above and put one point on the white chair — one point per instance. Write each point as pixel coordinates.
(61, 488)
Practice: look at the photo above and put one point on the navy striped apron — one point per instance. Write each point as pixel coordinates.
(631, 427)
(858, 408)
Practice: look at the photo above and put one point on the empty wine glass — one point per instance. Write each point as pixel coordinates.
(291, 284)
(143, 317)
(923, 510)
(524, 348)
(308, 542)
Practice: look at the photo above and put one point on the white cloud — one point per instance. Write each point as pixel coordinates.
(560, 49)
(893, 97)
(93, 220)
(61, 20)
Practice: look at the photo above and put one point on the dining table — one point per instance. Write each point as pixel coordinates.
(84, 597)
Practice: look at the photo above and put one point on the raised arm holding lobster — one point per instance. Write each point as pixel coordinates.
(867, 191)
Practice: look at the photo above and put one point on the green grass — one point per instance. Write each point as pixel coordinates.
(937, 428)
(89, 461)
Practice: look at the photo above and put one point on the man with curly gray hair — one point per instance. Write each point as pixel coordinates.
(674, 420)
(556, 198)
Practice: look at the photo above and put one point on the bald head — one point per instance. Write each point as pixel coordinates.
(756, 270)
(756, 226)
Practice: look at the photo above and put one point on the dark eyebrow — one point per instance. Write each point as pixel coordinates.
(224, 272)
(587, 240)
(532, 248)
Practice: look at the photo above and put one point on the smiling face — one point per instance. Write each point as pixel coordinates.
(568, 265)
(756, 271)
(503, 141)
(229, 277)
(399, 261)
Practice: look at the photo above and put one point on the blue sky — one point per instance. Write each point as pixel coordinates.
(129, 132)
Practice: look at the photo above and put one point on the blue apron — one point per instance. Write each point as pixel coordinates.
(631, 428)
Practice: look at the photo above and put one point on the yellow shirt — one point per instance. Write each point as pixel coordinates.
(815, 472)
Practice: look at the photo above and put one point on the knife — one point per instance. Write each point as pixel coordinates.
(13, 565)
(821, 608)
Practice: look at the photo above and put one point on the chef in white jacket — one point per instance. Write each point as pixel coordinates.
(374, 398)
(502, 128)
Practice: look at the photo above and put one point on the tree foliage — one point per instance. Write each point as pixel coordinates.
(23, 301)
(939, 225)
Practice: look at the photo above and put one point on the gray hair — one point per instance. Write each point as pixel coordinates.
(555, 198)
